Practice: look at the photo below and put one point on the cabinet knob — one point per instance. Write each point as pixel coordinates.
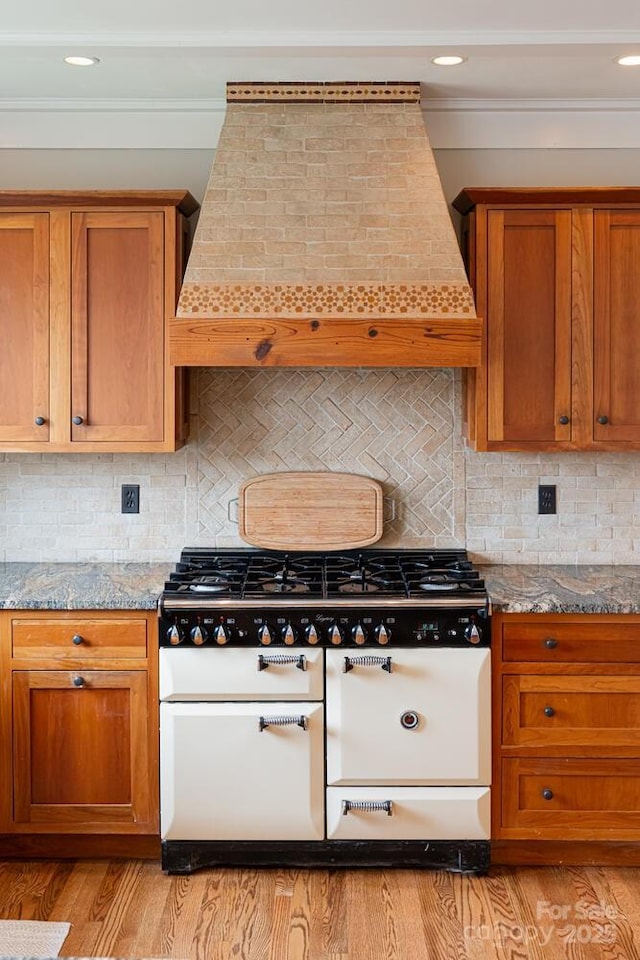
(547, 794)
(39, 421)
(549, 712)
(564, 420)
(77, 421)
(77, 639)
(603, 420)
(78, 681)
(551, 643)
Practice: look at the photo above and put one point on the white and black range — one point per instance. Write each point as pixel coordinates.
(325, 710)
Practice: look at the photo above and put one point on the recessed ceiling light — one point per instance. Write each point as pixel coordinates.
(632, 61)
(81, 61)
(447, 61)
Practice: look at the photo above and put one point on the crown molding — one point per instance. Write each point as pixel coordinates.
(282, 39)
(195, 124)
(104, 105)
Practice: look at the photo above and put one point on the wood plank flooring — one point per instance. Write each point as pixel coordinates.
(131, 909)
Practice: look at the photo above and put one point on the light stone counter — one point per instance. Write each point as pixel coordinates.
(81, 586)
(528, 588)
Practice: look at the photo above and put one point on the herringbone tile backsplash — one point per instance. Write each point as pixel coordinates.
(395, 426)
(401, 427)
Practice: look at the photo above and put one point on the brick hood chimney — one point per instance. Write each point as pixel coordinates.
(324, 237)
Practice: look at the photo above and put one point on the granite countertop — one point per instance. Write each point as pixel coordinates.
(529, 588)
(81, 586)
(513, 588)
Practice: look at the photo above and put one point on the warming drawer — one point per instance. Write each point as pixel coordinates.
(408, 813)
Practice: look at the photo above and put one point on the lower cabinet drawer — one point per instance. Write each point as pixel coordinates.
(571, 712)
(570, 640)
(570, 799)
(78, 639)
(408, 813)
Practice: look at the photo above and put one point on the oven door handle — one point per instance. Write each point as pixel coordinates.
(264, 661)
(283, 721)
(351, 662)
(369, 806)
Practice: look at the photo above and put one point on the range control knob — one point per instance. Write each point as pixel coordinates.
(358, 634)
(472, 633)
(382, 634)
(288, 635)
(264, 634)
(199, 636)
(174, 635)
(311, 634)
(221, 634)
(335, 634)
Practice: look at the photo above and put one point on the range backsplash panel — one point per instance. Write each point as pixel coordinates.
(394, 426)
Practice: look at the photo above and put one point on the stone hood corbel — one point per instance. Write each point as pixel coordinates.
(324, 237)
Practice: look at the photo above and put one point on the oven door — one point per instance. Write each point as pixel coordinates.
(241, 771)
(414, 716)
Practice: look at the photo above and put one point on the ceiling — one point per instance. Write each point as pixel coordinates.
(163, 56)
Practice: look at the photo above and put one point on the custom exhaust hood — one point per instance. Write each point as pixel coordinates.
(324, 238)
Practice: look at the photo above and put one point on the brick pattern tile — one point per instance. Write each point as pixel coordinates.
(400, 427)
(317, 193)
(394, 426)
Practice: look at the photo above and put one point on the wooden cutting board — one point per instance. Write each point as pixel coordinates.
(310, 511)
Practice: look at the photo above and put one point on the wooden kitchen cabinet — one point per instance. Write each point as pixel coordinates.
(87, 284)
(566, 727)
(80, 743)
(556, 274)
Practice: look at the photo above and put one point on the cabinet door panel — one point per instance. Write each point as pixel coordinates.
(529, 325)
(117, 326)
(80, 752)
(24, 309)
(617, 325)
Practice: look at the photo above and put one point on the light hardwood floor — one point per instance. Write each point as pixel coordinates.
(131, 909)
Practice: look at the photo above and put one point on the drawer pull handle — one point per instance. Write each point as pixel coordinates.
(603, 420)
(547, 794)
(351, 662)
(300, 662)
(77, 639)
(78, 681)
(551, 643)
(39, 421)
(77, 421)
(369, 806)
(299, 721)
(564, 420)
(549, 712)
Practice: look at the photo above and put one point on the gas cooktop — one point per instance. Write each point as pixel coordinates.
(362, 597)
(237, 576)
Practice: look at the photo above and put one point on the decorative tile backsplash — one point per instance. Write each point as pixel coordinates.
(396, 426)
(401, 427)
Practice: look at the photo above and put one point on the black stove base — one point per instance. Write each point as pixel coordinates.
(456, 856)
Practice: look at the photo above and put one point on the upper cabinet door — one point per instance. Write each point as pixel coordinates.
(117, 326)
(24, 318)
(529, 327)
(616, 325)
